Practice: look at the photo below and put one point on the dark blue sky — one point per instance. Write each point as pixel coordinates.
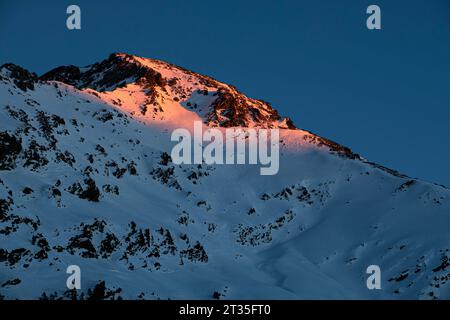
(385, 94)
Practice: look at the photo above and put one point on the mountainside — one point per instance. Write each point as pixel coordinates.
(86, 178)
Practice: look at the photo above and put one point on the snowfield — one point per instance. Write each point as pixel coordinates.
(86, 179)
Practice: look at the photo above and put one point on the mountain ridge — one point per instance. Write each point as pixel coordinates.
(72, 75)
(86, 179)
(159, 77)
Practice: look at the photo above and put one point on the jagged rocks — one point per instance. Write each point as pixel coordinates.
(195, 253)
(116, 72)
(166, 176)
(14, 256)
(47, 123)
(332, 146)
(34, 156)
(103, 116)
(111, 167)
(111, 189)
(22, 78)
(90, 192)
(5, 206)
(83, 241)
(109, 245)
(66, 157)
(27, 190)
(138, 240)
(233, 109)
(10, 148)
(261, 233)
(21, 116)
(67, 74)
(165, 159)
(304, 195)
(41, 242)
(301, 193)
(445, 263)
(12, 222)
(84, 244)
(12, 282)
(404, 186)
(101, 292)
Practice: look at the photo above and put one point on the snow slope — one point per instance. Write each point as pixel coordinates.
(86, 179)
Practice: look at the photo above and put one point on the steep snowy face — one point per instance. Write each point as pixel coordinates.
(163, 89)
(86, 179)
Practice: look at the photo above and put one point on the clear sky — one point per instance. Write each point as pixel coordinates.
(383, 93)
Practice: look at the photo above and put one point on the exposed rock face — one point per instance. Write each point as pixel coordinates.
(233, 109)
(67, 74)
(230, 108)
(112, 73)
(23, 79)
(10, 147)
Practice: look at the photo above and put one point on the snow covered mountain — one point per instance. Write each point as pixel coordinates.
(86, 179)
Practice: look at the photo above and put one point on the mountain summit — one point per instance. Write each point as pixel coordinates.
(161, 83)
(86, 179)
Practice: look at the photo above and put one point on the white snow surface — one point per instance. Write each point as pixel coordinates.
(165, 231)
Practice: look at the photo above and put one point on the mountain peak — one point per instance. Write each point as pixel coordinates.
(114, 72)
(122, 75)
(87, 178)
